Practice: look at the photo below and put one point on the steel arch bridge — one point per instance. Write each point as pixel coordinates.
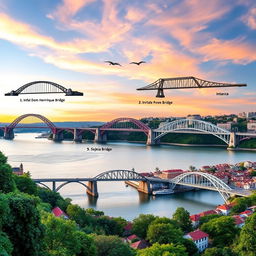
(183, 83)
(125, 124)
(119, 175)
(43, 87)
(20, 118)
(193, 125)
(204, 181)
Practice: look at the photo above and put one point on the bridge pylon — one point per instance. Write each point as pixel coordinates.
(58, 136)
(232, 140)
(151, 138)
(144, 187)
(92, 188)
(77, 136)
(99, 137)
(8, 134)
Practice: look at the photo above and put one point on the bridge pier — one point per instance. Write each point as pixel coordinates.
(77, 135)
(58, 136)
(232, 140)
(144, 187)
(93, 189)
(99, 137)
(151, 138)
(8, 134)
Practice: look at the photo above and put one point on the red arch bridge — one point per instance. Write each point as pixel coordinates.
(146, 184)
(232, 139)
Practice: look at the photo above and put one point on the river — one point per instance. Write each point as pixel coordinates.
(46, 159)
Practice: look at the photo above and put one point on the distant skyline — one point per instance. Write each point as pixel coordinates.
(68, 42)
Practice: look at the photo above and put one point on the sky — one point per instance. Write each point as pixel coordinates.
(68, 42)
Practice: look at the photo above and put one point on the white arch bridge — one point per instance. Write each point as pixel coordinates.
(199, 180)
(197, 127)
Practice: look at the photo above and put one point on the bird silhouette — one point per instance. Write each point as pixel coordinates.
(113, 63)
(137, 63)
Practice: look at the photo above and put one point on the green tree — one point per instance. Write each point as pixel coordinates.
(163, 250)
(109, 226)
(7, 183)
(246, 245)
(141, 223)
(240, 205)
(165, 220)
(112, 246)
(63, 235)
(6, 247)
(94, 212)
(23, 227)
(164, 234)
(53, 198)
(182, 217)
(222, 230)
(4, 210)
(219, 252)
(207, 218)
(25, 184)
(190, 246)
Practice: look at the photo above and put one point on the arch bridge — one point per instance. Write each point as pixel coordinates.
(91, 183)
(43, 87)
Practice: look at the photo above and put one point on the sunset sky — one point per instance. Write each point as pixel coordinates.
(67, 42)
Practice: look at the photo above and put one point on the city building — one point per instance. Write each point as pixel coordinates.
(200, 238)
(196, 116)
(226, 126)
(169, 174)
(239, 221)
(18, 170)
(224, 209)
(251, 126)
(57, 212)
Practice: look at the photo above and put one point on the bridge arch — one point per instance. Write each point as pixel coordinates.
(140, 125)
(119, 175)
(67, 182)
(44, 185)
(204, 180)
(20, 118)
(194, 125)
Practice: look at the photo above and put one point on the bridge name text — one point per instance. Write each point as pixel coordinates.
(222, 93)
(152, 102)
(99, 149)
(42, 100)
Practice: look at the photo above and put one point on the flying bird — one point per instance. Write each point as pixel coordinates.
(113, 63)
(137, 63)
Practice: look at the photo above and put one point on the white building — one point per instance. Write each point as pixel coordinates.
(200, 238)
(251, 126)
(226, 126)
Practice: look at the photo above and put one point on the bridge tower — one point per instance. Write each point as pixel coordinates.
(144, 187)
(151, 138)
(92, 188)
(57, 135)
(77, 135)
(8, 134)
(99, 137)
(232, 140)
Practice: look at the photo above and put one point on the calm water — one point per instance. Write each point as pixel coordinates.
(46, 159)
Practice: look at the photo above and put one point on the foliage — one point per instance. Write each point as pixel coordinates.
(4, 210)
(190, 246)
(165, 220)
(182, 217)
(163, 250)
(163, 234)
(222, 230)
(246, 245)
(219, 252)
(53, 198)
(25, 184)
(141, 223)
(207, 218)
(63, 235)
(94, 212)
(24, 228)
(112, 246)
(109, 226)
(5, 245)
(6, 176)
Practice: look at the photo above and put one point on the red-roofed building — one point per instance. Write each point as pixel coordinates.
(239, 221)
(59, 213)
(224, 208)
(200, 238)
(170, 174)
(128, 229)
(195, 220)
(246, 213)
(202, 214)
(131, 238)
(141, 244)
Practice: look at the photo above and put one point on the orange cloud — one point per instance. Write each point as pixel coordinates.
(250, 18)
